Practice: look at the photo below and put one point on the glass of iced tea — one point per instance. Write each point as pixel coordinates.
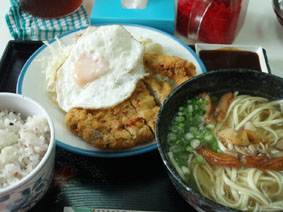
(50, 8)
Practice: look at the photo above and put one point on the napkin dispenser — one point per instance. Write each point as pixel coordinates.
(159, 14)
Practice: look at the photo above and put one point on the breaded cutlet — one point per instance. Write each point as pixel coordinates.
(133, 121)
(118, 127)
(175, 68)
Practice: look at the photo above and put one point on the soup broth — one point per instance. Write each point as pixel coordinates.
(232, 144)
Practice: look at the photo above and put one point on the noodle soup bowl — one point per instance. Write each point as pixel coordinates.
(248, 82)
(23, 194)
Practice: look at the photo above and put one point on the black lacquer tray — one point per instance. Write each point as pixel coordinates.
(137, 183)
(131, 183)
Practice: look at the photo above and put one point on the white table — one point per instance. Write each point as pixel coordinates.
(260, 28)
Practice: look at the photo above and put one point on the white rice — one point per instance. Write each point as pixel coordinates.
(23, 144)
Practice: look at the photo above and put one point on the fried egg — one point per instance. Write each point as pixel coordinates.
(102, 69)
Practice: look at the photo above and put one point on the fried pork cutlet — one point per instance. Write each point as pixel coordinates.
(175, 68)
(120, 127)
(133, 121)
(158, 89)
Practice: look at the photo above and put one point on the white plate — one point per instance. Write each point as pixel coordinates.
(256, 49)
(31, 83)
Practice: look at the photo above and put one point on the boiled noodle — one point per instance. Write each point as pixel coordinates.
(247, 189)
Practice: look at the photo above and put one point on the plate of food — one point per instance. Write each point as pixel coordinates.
(103, 85)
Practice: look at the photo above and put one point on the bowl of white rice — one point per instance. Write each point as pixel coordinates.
(27, 152)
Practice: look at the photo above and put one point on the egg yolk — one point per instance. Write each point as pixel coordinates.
(89, 68)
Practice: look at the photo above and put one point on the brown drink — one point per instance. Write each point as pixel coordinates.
(50, 8)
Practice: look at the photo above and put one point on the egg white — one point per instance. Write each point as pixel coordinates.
(124, 53)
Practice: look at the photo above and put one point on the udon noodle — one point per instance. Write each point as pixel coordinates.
(250, 187)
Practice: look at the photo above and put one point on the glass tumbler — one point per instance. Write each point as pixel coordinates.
(50, 8)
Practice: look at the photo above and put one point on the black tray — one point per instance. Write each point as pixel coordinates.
(131, 183)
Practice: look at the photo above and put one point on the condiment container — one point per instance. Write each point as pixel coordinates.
(211, 21)
(227, 56)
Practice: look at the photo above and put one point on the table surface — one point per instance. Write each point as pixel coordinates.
(260, 28)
